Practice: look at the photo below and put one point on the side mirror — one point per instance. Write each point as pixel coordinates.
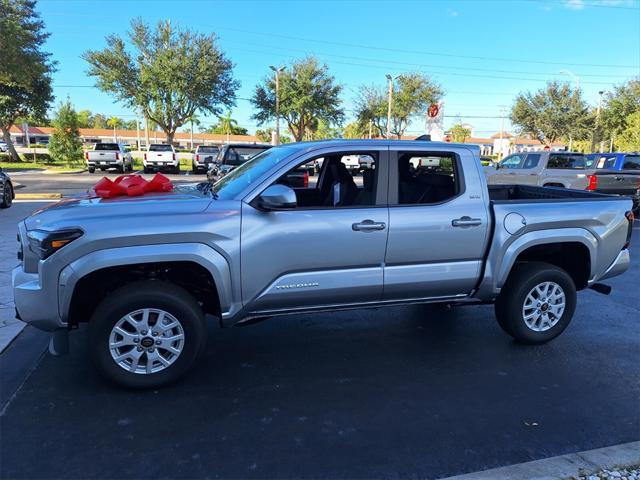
(277, 196)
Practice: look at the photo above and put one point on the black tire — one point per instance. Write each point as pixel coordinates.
(176, 170)
(7, 197)
(146, 170)
(121, 169)
(91, 169)
(509, 305)
(146, 294)
(194, 169)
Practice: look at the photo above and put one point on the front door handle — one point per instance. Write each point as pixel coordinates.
(466, 222)
(368, 226)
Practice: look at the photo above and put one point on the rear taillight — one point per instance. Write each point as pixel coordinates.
(197, 158)
(631, 217)
(305, 179)
(86, 155)
(117, 156)
(173, 156)
(593, 182)
(145, 156)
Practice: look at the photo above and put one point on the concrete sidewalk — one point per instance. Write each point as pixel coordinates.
(564, 466)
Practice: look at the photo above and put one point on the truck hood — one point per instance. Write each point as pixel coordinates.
(183, 200)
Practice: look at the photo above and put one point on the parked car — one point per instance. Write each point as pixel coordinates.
(161, 157)
(203, 157)
(146, 272)
(548, 169)
(233, 155)
(108, 155)
(7, 192)
(352, 162)
(4, 147)
(616, 173)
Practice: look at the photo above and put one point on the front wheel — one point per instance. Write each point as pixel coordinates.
(147, 334)
(537, 302)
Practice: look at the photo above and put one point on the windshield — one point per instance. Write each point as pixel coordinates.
(207, 149)
(160, 148)
(239, 155)
(107, 146)
(237, 180)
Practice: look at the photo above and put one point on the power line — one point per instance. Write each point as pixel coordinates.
(418, 52)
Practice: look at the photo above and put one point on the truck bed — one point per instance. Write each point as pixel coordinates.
(499, 194)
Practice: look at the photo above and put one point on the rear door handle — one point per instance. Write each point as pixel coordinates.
(466, 222)
(368, 226)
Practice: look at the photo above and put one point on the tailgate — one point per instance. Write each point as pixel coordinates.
(102, 155)
(618, 182)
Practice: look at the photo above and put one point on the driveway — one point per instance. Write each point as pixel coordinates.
(416, 391)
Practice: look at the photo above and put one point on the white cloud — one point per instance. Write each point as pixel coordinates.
(574, 4)
(452, 13)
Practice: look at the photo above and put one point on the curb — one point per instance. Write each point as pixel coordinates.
(563, 466)
(37, 196)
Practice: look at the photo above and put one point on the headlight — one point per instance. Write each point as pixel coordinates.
(45, 244)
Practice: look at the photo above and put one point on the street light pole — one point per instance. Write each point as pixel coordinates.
(390, 79)
(277, 72)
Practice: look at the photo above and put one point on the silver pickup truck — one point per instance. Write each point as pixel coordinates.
(546, 169)
(146, 273)
(108, 155)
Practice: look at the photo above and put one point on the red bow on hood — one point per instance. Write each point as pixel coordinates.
(131, 186)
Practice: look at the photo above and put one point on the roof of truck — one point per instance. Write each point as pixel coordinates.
(376, 142)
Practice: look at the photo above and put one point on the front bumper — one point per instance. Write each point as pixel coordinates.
(36, 301)
(619, 265)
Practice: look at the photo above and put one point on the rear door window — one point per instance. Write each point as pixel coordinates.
(606, 162)
(567, 162)
(631, 162)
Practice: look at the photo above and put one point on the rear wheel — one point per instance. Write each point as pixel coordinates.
(7, 197)
(91, 169)
(537, 302)
(147, 334)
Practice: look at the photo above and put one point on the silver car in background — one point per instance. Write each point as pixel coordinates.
(545, 169)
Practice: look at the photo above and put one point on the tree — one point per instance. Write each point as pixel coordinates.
(227, 126)
(355, 130)
(25, 70)
(552, 113)
(171, 74)
(459, 133)
(65, 144)
(265, 136)
(308, 94)
(412, 95)
(321, 130)
(629, 139)
(114, 122)
(619, 105)
(98, 121)
(84, 119)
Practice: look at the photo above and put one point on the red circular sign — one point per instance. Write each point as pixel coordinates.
(433, 110)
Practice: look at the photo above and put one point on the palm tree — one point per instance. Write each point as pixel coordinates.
(114, 122)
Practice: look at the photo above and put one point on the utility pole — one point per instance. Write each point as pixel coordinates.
(390, 79)
(146, 131)
(277, 73)
(595, 130)
(370, 128)
(138, 132)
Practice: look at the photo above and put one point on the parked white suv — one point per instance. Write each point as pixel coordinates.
(161, 157)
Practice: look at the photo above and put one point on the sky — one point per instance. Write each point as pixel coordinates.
(481, 52)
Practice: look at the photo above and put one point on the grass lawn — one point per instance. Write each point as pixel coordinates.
(52, 167)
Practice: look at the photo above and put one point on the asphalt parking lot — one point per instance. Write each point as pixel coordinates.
(412, 392)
